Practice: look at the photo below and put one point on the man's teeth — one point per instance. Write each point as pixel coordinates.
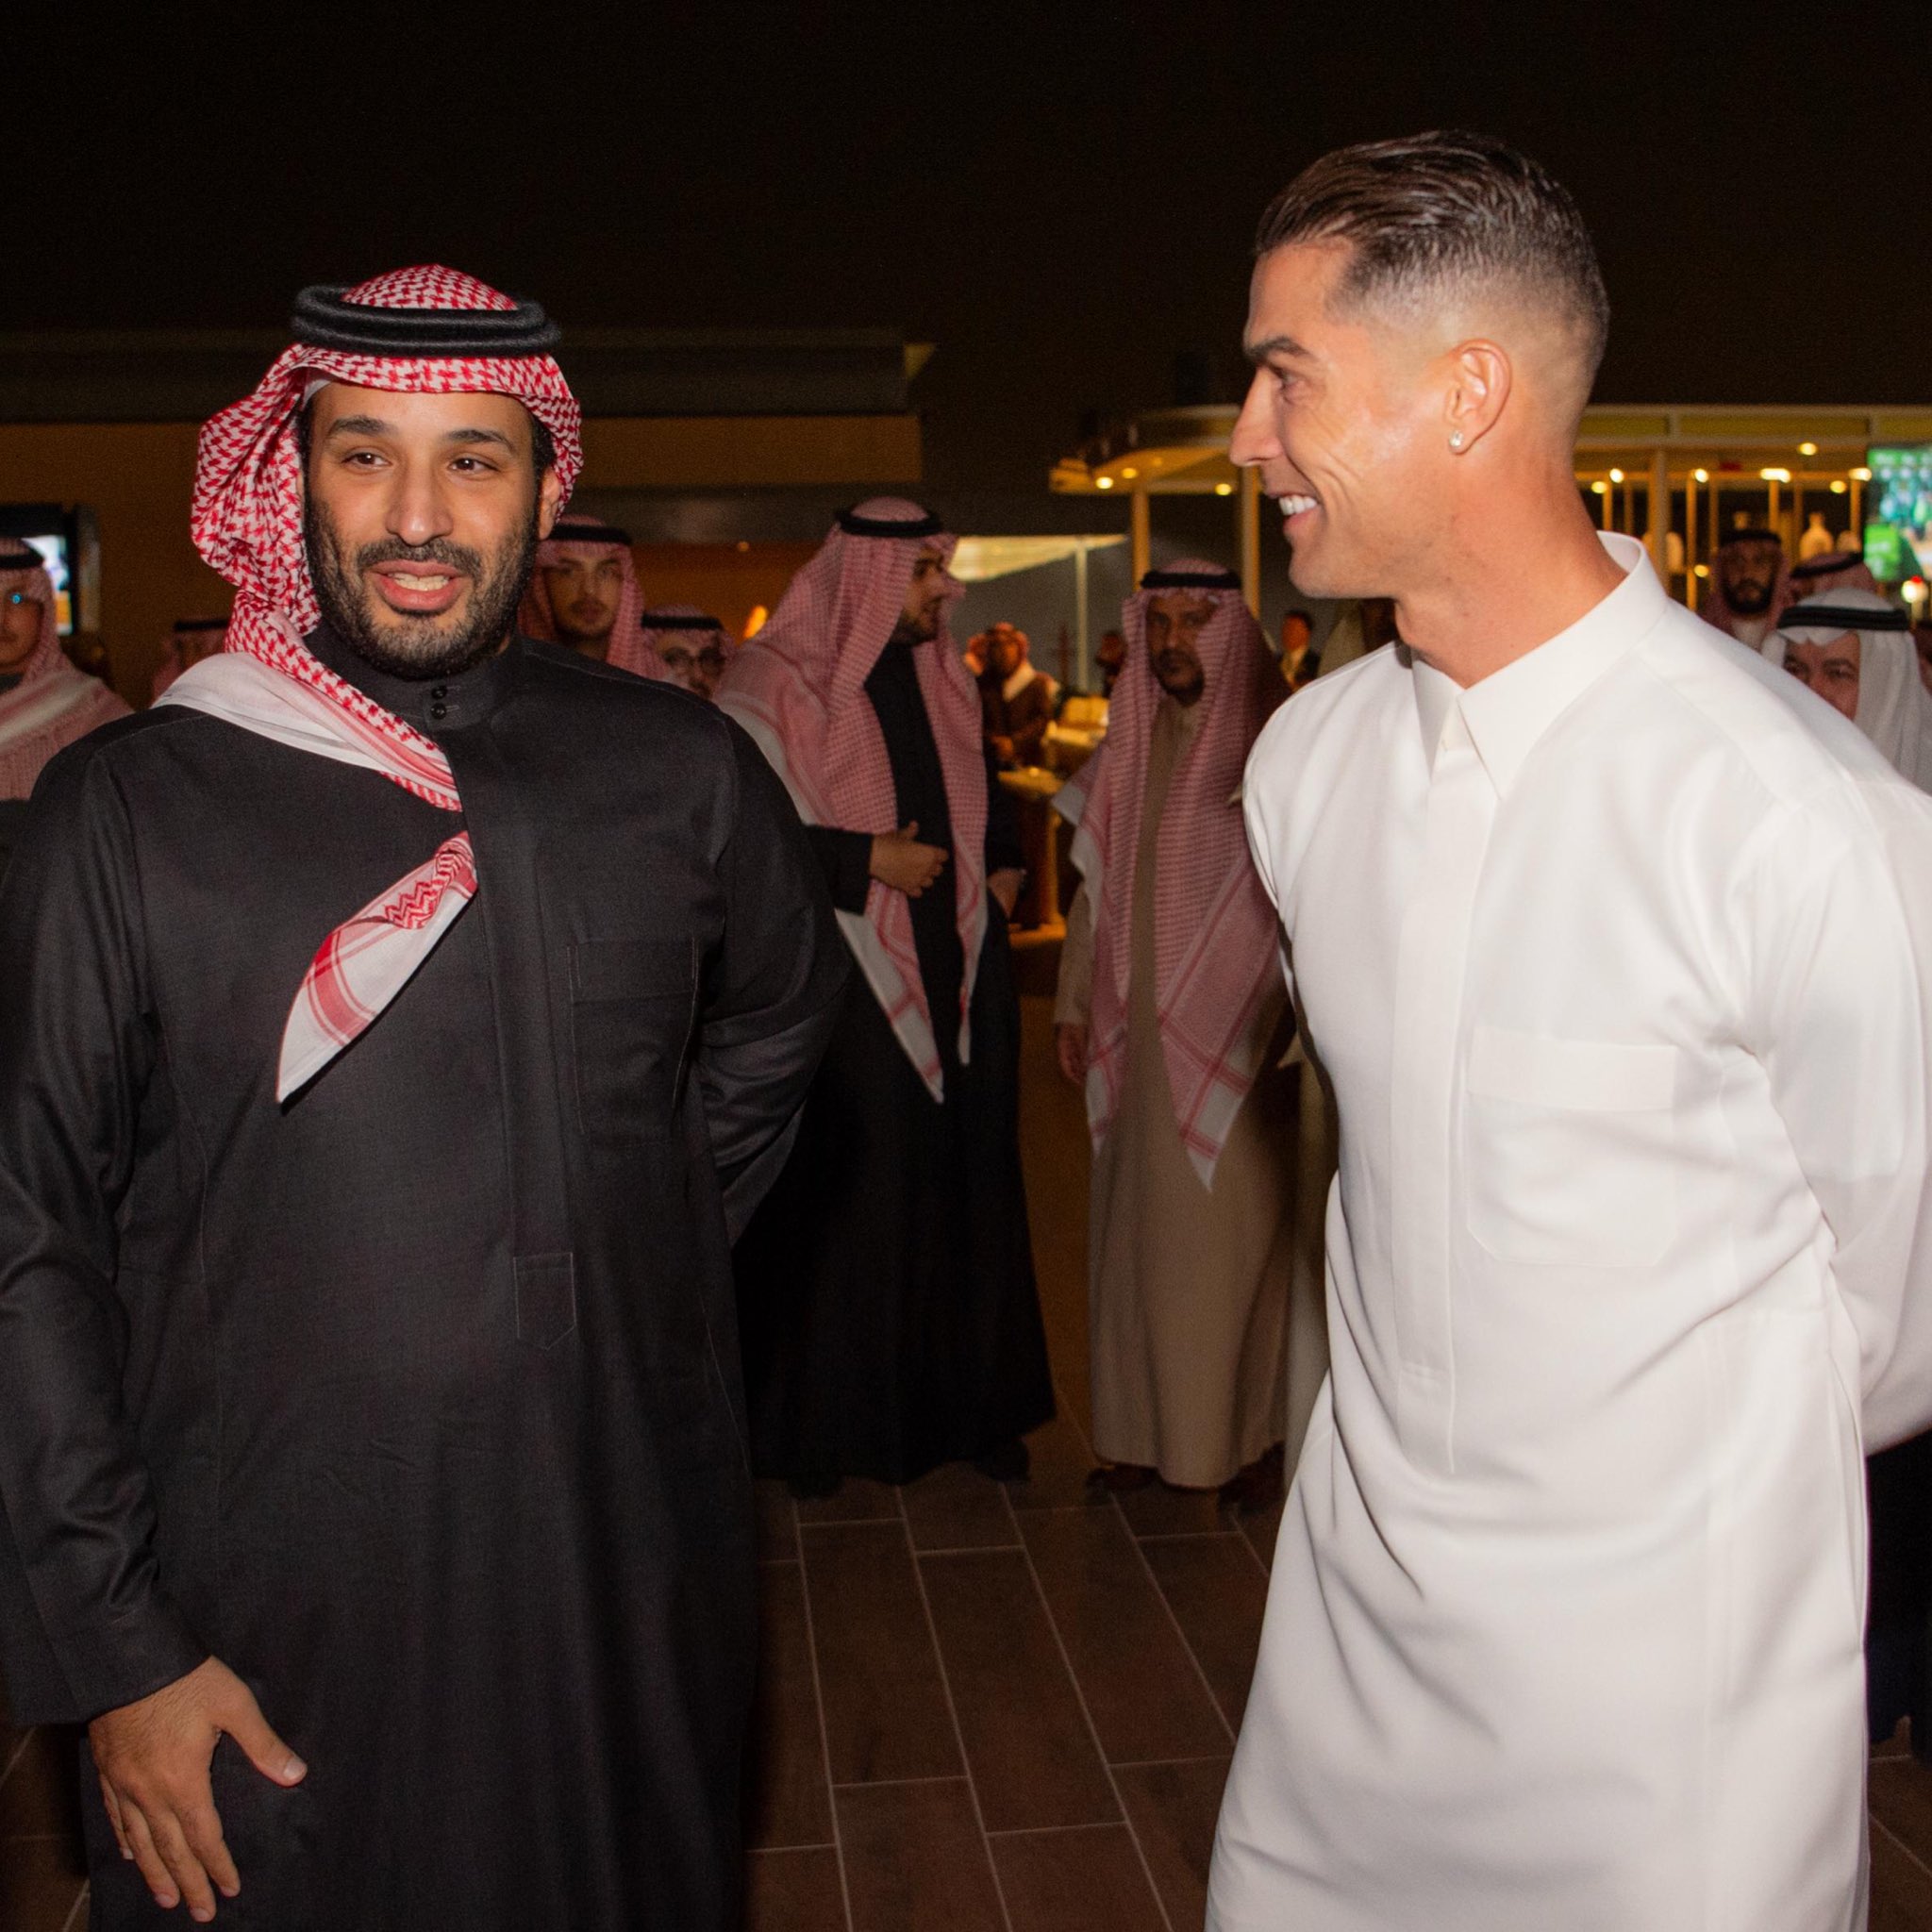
(1293, 506)
(411, 582)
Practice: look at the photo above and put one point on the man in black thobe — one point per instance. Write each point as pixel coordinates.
(375, 1452)
(886, 1286)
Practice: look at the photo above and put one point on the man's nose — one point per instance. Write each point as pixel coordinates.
(418, 511)
(1254, 440)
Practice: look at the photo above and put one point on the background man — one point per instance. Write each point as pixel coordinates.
(45, 703)
(381, 1345)
(192, 639)
(1613, 944)
(1016, 699)
(1854, 649)
(584, 592)
(1746, 586)
(891, 1322)
(690, 644)
(1171, 1013)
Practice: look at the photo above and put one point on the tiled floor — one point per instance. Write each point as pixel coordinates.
(984, 1709)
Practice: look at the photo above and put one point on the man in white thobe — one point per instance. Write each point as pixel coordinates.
(1613, 944)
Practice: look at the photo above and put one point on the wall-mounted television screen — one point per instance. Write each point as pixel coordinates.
(55, 531)
(1898, 511)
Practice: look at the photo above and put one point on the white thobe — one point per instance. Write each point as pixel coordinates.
(1618, 961)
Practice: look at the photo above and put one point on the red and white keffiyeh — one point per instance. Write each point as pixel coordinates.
(1216, 954)
(630, 650)
(798, 686)
(247, 522)
(54, 703)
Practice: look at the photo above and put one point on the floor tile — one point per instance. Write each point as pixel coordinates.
(777, 1530)
(41, 1796)
(1174, 1810)
(1027, 1743)
(794, 1892)
(1143, 1694)
(1091, 1880)
(1901, 1886)
(38, 1882)
(1158, 1510)
(1061, 1464)
(1901, 1795)
(787, 1802)
(958, 1508)
(886, 1713)
(1218, 1595)
(1261, 1530)
(856, 1500)
(915, 1860)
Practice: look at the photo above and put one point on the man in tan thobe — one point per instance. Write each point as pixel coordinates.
(1173, 1013)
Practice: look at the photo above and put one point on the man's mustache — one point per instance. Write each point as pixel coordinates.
(458, 557)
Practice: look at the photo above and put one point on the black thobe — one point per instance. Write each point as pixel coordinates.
(413, 1400)
(886, 1286)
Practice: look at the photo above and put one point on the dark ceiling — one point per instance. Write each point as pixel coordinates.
(1059, 196)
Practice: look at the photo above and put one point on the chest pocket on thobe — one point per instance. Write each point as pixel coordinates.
(631, 1006)
(1570, 1146)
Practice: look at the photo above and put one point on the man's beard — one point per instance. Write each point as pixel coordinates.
(1748, 596)
(412, 647)
(916, 630)
(578, 624)
(1179, 675)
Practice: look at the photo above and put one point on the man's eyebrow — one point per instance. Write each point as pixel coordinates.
(1275, 345)
(495, 436)
(361, 426)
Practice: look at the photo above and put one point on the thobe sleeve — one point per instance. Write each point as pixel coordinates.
(771, 988)
(85, 1624)
(1004, 850)
(1840, 938)
(845, 860)
(1072, 999)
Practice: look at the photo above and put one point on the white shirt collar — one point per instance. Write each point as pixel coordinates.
(1018, 682)
(1509, 710)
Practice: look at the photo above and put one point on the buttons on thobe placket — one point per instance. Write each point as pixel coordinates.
(1431, 967)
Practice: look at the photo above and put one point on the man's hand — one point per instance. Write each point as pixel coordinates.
(900, 862)
(153, 1758)
(1004, 887)
(1001, 747)
(1070, 1045)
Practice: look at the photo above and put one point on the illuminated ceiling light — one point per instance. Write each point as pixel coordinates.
(1703, 476)
(1130, 473)
(1861, 475)
(1599, 488)
(1223, 490)
(1103, 482)
(1837, 487)
(743, 543)
(1807, 449)
(1702, 569)
(1776, 476)
(1616, 476)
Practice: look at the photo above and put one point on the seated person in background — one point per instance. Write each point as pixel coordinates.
(691, 645)
(1016, 700)
(192, 639)
(584, 592)
(1109, 654)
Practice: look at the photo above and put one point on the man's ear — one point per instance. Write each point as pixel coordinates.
(1480, 379)
(549, 502)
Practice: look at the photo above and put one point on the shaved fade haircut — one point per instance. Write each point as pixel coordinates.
(1439, 211)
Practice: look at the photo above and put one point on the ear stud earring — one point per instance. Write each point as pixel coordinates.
(1456, 440)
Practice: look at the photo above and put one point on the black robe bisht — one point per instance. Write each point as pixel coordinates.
(886, 1286)
(416, 1400)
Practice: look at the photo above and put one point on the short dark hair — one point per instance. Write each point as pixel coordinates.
(1445, 207)
(543, 444)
